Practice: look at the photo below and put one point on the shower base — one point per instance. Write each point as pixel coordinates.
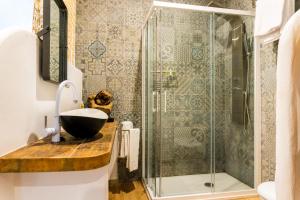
(194, 187)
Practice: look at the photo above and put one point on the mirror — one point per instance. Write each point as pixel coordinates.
(54, 41)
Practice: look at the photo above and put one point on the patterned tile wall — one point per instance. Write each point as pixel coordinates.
(108, 52)
(268, 92)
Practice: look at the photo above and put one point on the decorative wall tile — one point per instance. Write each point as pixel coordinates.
(167, 18)
(95, 83)
(184, 85)
(183, 70)
(114, 67)
(198, 86)
(268, 92)
(115, 49)
(167, 53)
(94, 66)
(183, 119)
(200, 119)
(132, 34)
(182, 102)
(116, 15)
(198, 52)
(201, 69)
(115, 31)
(199, 134)
(199, 166)
(198, 102)
(130, 62)
(168, 167)
(97, 49)
(134, 16)
(183, 54)
(116, 3)
(114, 83)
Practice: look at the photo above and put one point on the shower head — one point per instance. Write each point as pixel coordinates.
(232, 21)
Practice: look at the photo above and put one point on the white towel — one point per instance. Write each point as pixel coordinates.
(126, 126)
(271, 15)
(124, 143)
(287, 177)
(134, 143)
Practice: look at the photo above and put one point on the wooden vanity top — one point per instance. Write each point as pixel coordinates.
(69, 155)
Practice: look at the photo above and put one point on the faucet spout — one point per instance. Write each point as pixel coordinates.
(64, 84)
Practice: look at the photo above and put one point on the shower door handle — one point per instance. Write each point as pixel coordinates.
(154, 108)
(165, 101)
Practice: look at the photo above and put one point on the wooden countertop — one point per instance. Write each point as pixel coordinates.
(69, 155)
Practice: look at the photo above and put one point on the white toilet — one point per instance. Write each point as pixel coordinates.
(266, 190)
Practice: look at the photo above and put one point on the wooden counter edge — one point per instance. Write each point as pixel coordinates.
(60, 164)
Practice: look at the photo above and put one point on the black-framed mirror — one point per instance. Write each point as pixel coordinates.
(54, 41)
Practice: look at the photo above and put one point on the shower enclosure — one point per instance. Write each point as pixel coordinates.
(198, 101)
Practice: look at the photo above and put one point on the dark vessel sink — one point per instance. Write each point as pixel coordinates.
(83, 123)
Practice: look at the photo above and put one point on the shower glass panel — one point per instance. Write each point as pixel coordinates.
(233, 102)
(186, 135)
(152, 114)
(199, 102)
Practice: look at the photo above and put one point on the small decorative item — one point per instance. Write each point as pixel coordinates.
(101, 101)
(103, 98)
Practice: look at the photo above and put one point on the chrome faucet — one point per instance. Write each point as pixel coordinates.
(55, 132)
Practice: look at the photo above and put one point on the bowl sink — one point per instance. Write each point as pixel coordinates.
(83, 123)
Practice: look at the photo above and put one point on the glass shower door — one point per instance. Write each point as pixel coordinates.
(186, 163)
(152, 102)
(233, 56)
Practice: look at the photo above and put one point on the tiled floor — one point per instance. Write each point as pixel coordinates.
(134, 191)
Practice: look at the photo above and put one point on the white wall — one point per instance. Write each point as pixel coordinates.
(16, 13)
(25, 98)
(81, 185)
